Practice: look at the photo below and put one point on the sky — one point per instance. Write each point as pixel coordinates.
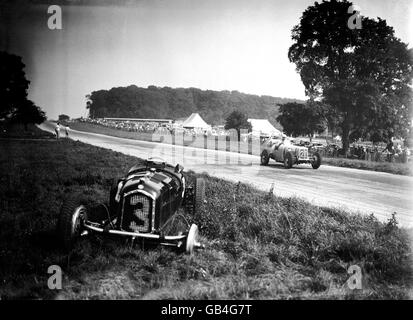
(209, 44)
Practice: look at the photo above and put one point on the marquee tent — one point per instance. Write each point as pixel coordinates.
(263, 127)
(194, 121)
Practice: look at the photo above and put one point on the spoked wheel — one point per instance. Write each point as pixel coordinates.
(176, 225)
(192, 239)
(71, 222)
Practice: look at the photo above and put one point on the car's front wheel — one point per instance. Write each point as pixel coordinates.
(71, 222)
(192, 239)
(265, 158)
(316, 163)
(288, 160)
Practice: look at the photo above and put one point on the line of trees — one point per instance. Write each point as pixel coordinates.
(166, 102)
(361, 77)
(15, 107)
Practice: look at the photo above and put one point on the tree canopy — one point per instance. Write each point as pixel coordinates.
(63, 117)
(13, 83)
(14, 105)
(362, 74)
(302, 118)
(27, 113)
(237, 120)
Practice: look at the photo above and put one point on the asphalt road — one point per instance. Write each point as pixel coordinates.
(354, 190)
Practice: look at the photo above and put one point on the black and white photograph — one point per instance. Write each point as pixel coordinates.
(206, 150)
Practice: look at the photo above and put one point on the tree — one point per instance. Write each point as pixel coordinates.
(362, 74)
(13, 92)
(237, 120)
(27, 113)
(302, 118)
(64, 117)
(13, 84)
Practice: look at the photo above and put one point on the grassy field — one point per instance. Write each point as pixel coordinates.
(268, 247)
(395, 168)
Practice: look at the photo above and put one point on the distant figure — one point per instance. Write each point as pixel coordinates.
(57, 130)
(67, 131)
(390, 151)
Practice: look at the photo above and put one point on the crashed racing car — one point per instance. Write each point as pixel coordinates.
(142, 205)
(281, 149)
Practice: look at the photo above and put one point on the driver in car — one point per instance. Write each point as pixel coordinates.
(279, 142)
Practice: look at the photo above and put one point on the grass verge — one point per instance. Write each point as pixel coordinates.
(405, 169)
(268, 247)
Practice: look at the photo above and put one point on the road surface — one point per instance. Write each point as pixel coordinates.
(353, 190)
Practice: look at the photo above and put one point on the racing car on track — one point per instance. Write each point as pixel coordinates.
(281, 149)
(142, 205)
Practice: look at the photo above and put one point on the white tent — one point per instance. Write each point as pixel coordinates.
(263, 127)
(195, 121)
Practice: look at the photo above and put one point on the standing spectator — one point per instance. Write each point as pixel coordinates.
(390, 151)
(399, 152)
(406, 154)
(376, 154)
(57, 130)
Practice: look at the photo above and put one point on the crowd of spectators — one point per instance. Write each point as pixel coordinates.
(392, 152)
(371, 152)
(131, 126)
(154, 127)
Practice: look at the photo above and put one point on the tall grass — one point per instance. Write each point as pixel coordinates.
(259, 246)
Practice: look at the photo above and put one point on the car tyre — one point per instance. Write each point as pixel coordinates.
(192, 239)
(265, 158)
(71, 221)
(113, 205)
(288, 160)
(199, 193)
(316, 163)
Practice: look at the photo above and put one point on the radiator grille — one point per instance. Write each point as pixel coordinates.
(303, 154)
(137, 213)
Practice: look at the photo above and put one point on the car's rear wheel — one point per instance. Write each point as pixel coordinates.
(71, 222)
(199, 193)
(288, 160)
(316, 163)
(265, 158)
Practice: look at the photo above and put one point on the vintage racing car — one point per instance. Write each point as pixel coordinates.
(281, 149)
(142, 205)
